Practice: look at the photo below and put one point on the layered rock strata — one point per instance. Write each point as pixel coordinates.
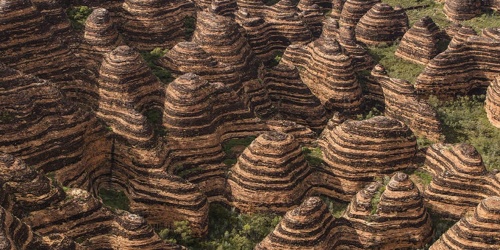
(127, 90)
(469, 62)
(353, 10)
(100, 37)
(62, 216)
(492, 105)
(17, 235)
(475, 230)
(355, 152)
(29, 43)
(420, 42)
(292, 98)
(309, 226)
(459, 10)
(125, 77)
(459, 179)
(198, 117)
(273, 28)
(402, 103)
(381, 25)
(150, 24)
(328, 72)
(41, 127)
(269, 175)
(302, 134)
(346, 37)
(391, 216)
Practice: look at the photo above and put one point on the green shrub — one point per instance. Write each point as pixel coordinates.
(151, 57)
(464, 120)
(114, 199)
(395, 66)
(488, 19)
(314, 156)
(335, 207)
(78, 15)
(189, 27)
(227, 230)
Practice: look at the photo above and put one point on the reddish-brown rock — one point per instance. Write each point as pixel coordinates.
(492, 105)
(420, 42)
(382, 25)
(270, 175)
(357, 151)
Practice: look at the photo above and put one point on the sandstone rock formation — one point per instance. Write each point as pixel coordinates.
(272, 28)
(382, 24)
(469, 62)
(198, 116)
(149, 24)
(302, 134)
(357, 151)
(309, 226)
(353, 10)
(292, 98)
(41, 127)
(492, 104)
(402, 103)
(269, 175)
(390, 217)
(346, 37)
(124, 78)
(17, 235)
(420, 42)
(328, 72)
(459, 179)
(28, 43)
(74, 213)
(458, 10)
(100, 37)
(475, 230)
(57, 18)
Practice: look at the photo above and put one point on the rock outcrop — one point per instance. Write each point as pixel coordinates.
(270, 175)
(272, 28)
(475, 230)
(492, 104)
(420, 42)
(328, 72)
(402, 103)
(309, 226)
(382, 25)
(124, 78)
(302, 134)
(41, 127)
(17, 235)
(346, 37)
(469, 62)
(459, 10)
(357, 151)
(353, 10)
(391, 216)
(28, 43)
(147, 24)
(459, 179)
(56, 214)
(198, 116)
(292, 98)
(100, 37)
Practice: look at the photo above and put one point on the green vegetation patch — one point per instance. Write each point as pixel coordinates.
(376, 199)
(78, 15)
(189, 27)
(114, 199)
(227, 230)
(423, 176)
(464, 120)
(395, 66)
(230, 144)
(151, 57)
(154, 116)
(488, 19)
(336, 208)
(313, 155)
